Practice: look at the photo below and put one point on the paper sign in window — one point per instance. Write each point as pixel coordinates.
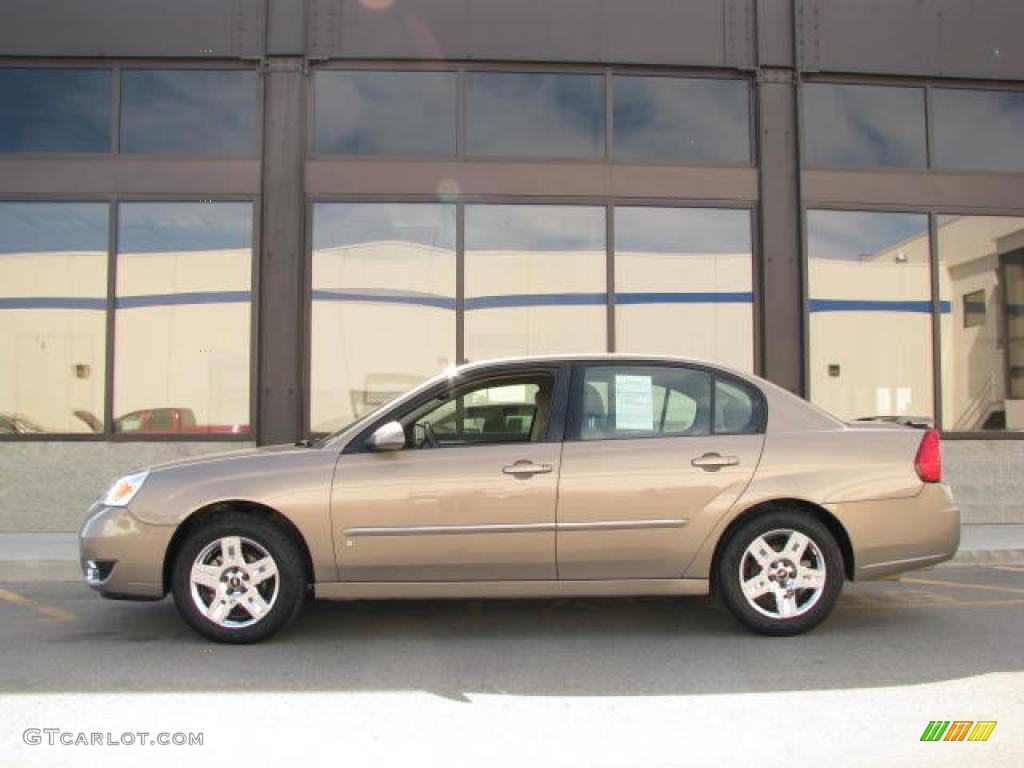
(634, 403)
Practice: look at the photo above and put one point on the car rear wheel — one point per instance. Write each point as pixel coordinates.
(239, 579)
(780, 573)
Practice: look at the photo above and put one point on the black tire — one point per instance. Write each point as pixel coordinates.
(257, 536)
(809, 607)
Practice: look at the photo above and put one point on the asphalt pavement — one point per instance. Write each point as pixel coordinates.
(634, 681)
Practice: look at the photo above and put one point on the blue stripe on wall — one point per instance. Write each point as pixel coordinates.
(421, 300)
(52, 302)
(177, 299)
(857, 305)
(537, 300)
(685, 298)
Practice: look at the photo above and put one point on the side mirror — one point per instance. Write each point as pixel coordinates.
(387, 437)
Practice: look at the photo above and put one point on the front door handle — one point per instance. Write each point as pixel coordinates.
(712, 462)
(526, 468)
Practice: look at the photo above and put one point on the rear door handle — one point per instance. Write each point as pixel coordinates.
(526, 468)
(712, 462)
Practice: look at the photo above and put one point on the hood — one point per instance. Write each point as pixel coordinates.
(226, 456)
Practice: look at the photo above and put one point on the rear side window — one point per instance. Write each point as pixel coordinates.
(738, 411)
(644, 401)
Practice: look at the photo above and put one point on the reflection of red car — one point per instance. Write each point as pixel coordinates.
(172, 421)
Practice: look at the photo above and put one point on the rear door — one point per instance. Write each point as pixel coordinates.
(654, 455)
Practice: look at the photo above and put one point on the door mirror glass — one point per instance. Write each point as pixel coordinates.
(388, 437)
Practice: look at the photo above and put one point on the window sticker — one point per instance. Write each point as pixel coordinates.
(634, 402)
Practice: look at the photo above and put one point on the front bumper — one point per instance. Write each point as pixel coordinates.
(121, 556)
(894, 535)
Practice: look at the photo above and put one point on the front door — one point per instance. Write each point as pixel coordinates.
(470, 498)
(655, 455)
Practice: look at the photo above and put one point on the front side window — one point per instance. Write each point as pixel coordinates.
(181, 350)
(644, 401)
(869, 297)
(46, 109)
(190, 112)
(53, 288)
(499, 411)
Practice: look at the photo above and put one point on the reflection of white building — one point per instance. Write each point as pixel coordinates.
(872, 356)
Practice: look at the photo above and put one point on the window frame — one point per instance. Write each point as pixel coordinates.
(574, 424)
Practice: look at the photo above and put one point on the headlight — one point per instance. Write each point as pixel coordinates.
(123, 491)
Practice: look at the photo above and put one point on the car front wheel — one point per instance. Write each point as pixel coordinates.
(780, 573)
(239, 579)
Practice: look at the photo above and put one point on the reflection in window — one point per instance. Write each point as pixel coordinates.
(684, 268)
(535, 115)
(978, 130)
(869, 296)
(189, 112)
(983, 349)
(383, 304)
(181, 353)
(55, 110)
(53, 287)
(682, 120)
(863, 125)
(535, 280)
(385, 113)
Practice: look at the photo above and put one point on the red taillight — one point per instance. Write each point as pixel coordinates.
(928, 462)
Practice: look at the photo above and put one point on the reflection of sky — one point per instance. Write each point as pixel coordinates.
(534, 228)
(189, 112)
(55, 110)
(852, 235)
(979, 130)
(43, 227)
(340, 224)
(853, 125)
(535, 115)
(682, 230)
(682, 119)
(385, 113)
(168, 227)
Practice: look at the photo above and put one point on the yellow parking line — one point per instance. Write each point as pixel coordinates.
(938, 583)
(46, 610)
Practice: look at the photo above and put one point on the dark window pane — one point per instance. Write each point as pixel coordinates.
(535, 115)
(681, 120)
(979, 130)
(55, 110)
(181, 355)
(974, 308)
(864, 125)
(389, 268)
(189, 112)
(53, 288)
(385, 113)
(869, 286)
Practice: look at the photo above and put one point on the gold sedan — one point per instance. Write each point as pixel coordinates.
(537, 477)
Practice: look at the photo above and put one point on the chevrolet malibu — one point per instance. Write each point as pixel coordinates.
(537, 477)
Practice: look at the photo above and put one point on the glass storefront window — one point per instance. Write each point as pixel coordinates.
(46, 109)
(182, 330)
(684, 285)
(383, 304)
(190, 112)
(869, 297)
(535, 280)
(535, 115)
(681, 120)
(978, 130)
(53, 288)
(385, 113)
(863, 125)
(981, 279)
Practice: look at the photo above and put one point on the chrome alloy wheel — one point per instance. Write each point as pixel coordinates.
(234, 582)
(782, 574)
